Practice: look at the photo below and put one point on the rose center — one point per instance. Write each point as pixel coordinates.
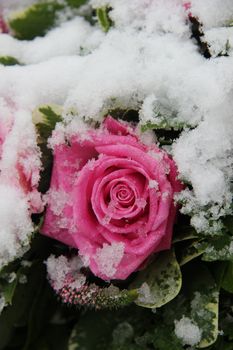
(121, 194)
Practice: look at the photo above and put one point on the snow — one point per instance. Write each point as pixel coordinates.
(212, 13)
(144, 294)
(109, 257)
(2, 303)
(77, 37)
(57, 200)
(149, 62)
(16, 226)
(63, 272)
(187, 331)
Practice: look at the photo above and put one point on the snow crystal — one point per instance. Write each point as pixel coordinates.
(11, 277)
(153, 184)
(141, 202)
(16, 226)
(76, 36)
(187, 331)
(145, 295)
(212, 13)
(23, 279)
(62, 271)
(2, 303)
(109, 257)
(57, 269)
(57, 200)
(220, 40)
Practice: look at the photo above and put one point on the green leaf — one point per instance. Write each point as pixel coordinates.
(227, 281)
(163, 123)
(190, 252)
(160, 282)
(45, 119)
(186, 233)
(207, 319)
(18, 312)
(103, 18)
(36, 20)
(164, 340)
(8, 290)
(220, 248)
(76, 3)
(8, 61)
(228, 222)
(204, 301)
(93, 331)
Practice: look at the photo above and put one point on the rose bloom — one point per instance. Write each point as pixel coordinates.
(111, 197)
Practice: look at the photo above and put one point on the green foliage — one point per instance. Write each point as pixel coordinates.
(163, 123)
(190, 252)
(8, 61)
(35, 20)
(162, 277)
(104, 330)
(103, 18)
(203, 295)
(227, 280)
(76, 3)
(45, 119)
(218, 248)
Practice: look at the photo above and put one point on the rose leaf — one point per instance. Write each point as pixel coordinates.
(160, 282)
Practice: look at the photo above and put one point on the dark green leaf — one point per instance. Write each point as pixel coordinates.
(227, 281)
(8, 61)
(161, 280)
(35, 20)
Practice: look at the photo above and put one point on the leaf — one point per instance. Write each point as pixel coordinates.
(8, 290)
(186, 233)
(103, 18)
(204, 298)
(8, 61)
(17, 313)
(227, 281)
(161, 280)
(220, 248)
(35, 21)
(165, 340)
(45, 119)
(228, 222)
(208, 322)
(93, 331)
(190, 252)
(164, 124)
(76, 3)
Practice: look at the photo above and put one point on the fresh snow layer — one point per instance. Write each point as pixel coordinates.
(16, 226)
(147, 61)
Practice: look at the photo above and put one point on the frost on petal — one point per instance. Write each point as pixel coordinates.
(153, 184)
(57, 200)
(109, 257)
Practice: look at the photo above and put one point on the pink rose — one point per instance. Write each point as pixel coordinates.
(111, 197)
